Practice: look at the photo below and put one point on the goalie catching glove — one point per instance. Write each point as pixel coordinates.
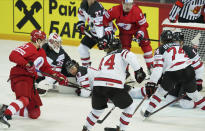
(140, 75)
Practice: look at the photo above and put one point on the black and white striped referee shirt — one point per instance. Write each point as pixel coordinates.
(187, 10)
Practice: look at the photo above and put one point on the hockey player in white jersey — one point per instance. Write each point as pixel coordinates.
(171, 61)
(84, 77)
(109, 84)
(198, 66)
(91, 11)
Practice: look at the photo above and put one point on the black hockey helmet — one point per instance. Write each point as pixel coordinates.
(178, 36)
(70, 64)
(166, 37)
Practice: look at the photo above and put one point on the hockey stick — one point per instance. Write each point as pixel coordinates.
(140, 104)
(137, 40)
(130, 82)
(101, 121)
(70, 84)
(177, 99)
(114, 129)
(86, 33)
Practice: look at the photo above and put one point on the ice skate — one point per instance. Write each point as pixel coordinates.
(145, 114)
(112, 129)
(85, 128)
(3, 121)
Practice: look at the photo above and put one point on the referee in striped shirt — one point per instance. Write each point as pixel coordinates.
(187, 11)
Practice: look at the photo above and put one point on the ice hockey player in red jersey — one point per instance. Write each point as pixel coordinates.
(29, 59)
(109, 84)
(173, 64)
(131, 22)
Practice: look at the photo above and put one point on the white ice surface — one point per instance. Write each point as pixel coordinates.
(63, 112)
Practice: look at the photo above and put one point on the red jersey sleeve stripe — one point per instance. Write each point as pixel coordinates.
(126, 54)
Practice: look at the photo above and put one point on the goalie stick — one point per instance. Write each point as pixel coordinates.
(137, 40)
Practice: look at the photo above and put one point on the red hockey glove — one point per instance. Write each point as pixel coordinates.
(199, 84)
(62, 80)
(140, 75)
(150, 88)
(30, 67)
(81, 26)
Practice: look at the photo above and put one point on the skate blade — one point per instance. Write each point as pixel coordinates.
(109, 129)
(3, 126)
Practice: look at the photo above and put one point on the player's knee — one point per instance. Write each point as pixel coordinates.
(83, 50)
(24, 100)
(34, 113)
(186, 104)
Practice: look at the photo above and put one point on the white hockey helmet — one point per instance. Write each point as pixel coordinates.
(127, 5)
(54, 41)
(127, 1)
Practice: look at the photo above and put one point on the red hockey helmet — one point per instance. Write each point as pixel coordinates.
(37, 34)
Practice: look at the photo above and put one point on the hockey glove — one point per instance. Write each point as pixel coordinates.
(30, 67)
(140, 35)
(140, 75)
(150, 88)
(102, 44)
(199, 84)
(81, 26)
(62, 79)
